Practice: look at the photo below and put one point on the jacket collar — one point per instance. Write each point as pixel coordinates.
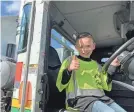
(84, 59)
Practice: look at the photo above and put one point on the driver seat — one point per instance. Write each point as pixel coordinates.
(56, 99)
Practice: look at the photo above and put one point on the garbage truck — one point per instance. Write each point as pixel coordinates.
(46, 35)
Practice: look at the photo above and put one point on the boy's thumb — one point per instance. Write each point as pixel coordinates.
(74, 57)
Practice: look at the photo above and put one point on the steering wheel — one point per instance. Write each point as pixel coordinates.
(120, 50)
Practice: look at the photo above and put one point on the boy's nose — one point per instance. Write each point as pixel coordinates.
(83, 51)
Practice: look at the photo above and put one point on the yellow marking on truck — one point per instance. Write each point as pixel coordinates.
(32, 65)
(15, 103)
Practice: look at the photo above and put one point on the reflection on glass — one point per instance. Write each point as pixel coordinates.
(24, 27)
(103, 60)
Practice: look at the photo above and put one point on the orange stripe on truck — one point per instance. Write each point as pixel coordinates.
(18, 73)
(28, 93)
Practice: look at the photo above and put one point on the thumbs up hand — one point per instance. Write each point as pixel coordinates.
(74, 65)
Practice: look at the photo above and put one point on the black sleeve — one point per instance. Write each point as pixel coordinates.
(111, 70)
(66, 76)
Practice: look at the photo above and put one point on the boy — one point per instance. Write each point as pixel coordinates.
(84, 82)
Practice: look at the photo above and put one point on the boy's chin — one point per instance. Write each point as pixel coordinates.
(86, 56)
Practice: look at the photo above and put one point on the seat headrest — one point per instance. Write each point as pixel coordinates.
(53, 59)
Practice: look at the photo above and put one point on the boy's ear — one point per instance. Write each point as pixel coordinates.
(94, 46)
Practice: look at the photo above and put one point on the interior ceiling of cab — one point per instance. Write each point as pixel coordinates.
(95, 17)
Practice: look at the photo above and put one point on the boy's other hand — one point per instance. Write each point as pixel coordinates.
(115, 62)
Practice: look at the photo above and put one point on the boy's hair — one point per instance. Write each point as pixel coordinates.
(83, 35)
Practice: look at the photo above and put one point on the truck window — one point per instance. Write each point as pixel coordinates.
(63, 47)
(24, 28)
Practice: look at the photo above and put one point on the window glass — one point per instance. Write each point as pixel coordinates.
(103, 60)
(24, 27)
(62, 45)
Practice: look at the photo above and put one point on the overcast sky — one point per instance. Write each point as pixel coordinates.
(10, 7)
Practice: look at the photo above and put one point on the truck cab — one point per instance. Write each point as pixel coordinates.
(46, 36)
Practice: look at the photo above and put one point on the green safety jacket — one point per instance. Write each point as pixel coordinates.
(88, 80)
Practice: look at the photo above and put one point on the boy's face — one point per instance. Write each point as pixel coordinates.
(85, 46)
